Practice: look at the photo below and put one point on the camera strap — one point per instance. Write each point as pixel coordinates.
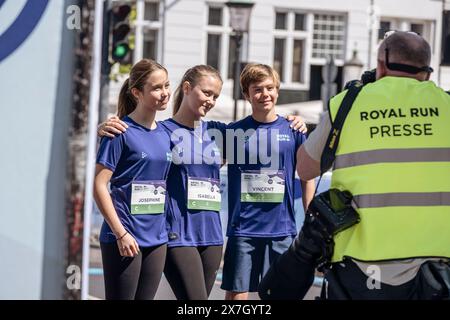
(329, 152)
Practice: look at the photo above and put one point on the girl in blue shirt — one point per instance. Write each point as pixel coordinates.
(193, 219)
(133, 237)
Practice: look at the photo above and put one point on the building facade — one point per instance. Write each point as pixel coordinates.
(295, 37)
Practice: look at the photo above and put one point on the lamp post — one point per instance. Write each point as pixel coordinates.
(239, 20)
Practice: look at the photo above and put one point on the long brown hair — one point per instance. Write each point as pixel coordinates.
(138, 77)
(192, 76)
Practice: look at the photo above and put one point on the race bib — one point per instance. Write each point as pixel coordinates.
(203, 194)
(148, 197)
(262, 187)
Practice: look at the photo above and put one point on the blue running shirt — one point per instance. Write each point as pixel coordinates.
(195, 161)
(263, 209)
(139, 156)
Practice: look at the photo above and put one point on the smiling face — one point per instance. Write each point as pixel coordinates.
(156, 92)
(262, 95)
(202, 97)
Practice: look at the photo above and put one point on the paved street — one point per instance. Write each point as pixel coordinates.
(96, 286)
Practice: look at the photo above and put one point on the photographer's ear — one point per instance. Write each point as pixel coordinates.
(381, 70)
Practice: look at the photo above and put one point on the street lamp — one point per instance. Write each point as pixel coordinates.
(239, 20)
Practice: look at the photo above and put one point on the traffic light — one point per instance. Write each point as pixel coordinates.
(120, 29)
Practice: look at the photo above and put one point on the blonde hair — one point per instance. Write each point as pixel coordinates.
(257, 72)
(138, 77)
(193, 76)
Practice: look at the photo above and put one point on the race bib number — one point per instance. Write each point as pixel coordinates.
(203, 194)
(262, 187)
(148, 197)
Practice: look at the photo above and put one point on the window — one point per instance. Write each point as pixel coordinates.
(299, 21)
(278, 56)
(290, 36)
(385, 26)
(213, 51)
(215, 16)
(280, 20)
(215, 36)
(150, 44)
(328, 36)
(147, 30)
(220, 45)
(417, 28)
(151, 12)
(297, 61)
(214, 40)
(422, 27)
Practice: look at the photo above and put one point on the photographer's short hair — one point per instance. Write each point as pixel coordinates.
(406, 47)
(256, 72)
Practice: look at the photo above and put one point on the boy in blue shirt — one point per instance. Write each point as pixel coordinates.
(262, 152)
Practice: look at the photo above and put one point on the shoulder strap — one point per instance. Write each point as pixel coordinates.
(329, 152)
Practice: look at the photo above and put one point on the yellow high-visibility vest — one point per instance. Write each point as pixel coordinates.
(394, 157)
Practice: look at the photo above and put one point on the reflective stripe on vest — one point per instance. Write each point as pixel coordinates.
(392, 155)
(400, 179)
(410, 199)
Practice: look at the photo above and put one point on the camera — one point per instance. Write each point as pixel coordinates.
(333, 209)
(368, 76)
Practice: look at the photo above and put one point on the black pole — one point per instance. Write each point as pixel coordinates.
(237, 72)
(106, 65)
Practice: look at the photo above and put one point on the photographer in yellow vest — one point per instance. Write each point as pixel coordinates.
(393, 159)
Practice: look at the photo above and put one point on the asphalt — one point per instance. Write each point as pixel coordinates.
(97, 288)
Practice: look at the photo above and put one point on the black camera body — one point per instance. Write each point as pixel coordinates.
(368, 76)
(333, 209)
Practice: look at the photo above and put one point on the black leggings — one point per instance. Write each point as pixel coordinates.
(136, 278)
(191, 271)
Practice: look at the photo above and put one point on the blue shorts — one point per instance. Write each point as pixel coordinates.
(247, 259)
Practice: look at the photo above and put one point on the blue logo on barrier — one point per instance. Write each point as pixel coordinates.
(22, 27)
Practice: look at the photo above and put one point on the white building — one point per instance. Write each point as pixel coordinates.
(293, 36)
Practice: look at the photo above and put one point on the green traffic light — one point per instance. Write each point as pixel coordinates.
(120, 51)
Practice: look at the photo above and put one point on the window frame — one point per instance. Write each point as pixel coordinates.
(141, 26)
(344, 35)
(224, 31)
(404, 24)
(289, 35)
